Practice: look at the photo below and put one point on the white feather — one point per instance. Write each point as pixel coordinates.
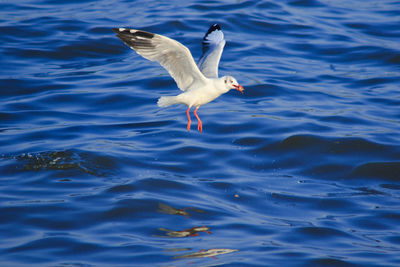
(213, 45)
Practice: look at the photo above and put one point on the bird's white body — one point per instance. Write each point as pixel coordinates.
(199, 82)
(197, 96)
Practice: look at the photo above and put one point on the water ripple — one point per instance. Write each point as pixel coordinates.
(301, 170)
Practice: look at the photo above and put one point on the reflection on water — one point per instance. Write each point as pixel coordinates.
(164, 208)
(194, 231)
(206, 253)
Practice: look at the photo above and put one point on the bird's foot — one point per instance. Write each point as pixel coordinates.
(189, 121)
(199, 125)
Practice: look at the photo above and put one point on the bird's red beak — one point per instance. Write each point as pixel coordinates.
(239, 88)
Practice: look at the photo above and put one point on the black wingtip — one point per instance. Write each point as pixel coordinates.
(132, 33)
(212, 28)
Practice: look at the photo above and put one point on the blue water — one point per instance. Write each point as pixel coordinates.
(301, 170)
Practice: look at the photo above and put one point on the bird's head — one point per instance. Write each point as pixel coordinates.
(231, 83)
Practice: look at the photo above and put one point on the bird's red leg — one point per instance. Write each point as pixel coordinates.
(199, 125)
(189, 121)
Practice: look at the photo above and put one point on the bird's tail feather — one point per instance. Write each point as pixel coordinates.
(166, 101)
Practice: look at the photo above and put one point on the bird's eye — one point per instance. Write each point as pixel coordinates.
(231, 81)
(225, 81)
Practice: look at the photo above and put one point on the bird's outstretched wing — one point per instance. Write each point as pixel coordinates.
(213, 45)
(172, 55)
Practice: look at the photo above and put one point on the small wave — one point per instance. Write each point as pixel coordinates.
(381, 170)
(66, 160)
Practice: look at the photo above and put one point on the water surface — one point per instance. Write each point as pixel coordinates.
(301, 170)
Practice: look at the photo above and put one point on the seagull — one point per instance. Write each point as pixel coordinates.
(199, 82)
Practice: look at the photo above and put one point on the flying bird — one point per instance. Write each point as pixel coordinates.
(199, 82)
